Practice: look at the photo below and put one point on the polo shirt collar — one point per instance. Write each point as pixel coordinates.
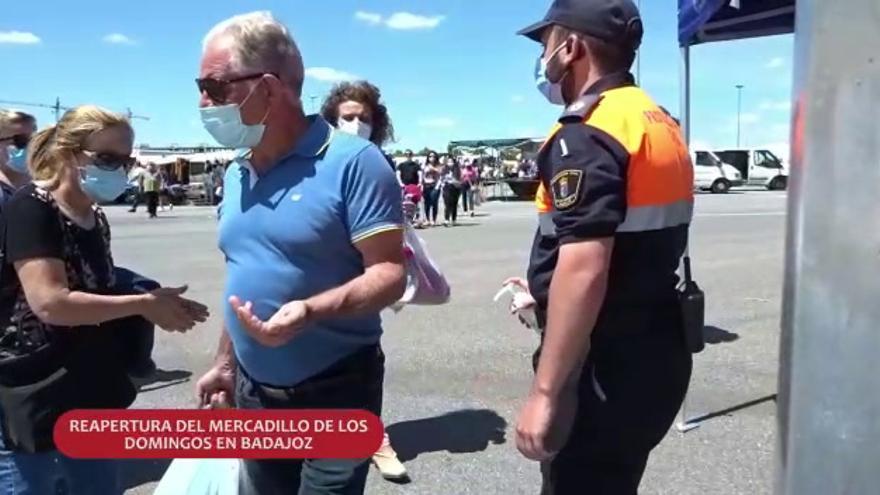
(313, 143)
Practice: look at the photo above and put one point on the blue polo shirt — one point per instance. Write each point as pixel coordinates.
(289, 235)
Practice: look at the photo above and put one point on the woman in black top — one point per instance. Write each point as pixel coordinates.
(451, 183)
(58, 340)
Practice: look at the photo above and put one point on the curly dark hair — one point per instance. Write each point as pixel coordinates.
(366, 94)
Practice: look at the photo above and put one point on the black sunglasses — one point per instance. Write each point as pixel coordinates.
(218, 89)
(109, 161)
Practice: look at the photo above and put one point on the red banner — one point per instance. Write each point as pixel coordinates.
(219, 433)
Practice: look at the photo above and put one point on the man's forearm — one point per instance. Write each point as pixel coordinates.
(577, 292)
(379, 287)
(225, 353)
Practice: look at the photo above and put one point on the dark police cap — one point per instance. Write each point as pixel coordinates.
(614, 21)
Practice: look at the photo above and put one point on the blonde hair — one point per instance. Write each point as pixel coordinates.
(52, 147)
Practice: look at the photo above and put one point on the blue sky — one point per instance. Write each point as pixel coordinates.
(449, 69)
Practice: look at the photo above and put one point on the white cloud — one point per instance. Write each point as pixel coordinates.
(781, 105)
(749, 118)
(438, 123)
(518, 98)
(368, 17)
(327, 74)
(775, 63)
(407, 21)
(118, 39)
(18, 38)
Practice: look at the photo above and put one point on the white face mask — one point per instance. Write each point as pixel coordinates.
(551, 90)
(356, 127)
(225, 125)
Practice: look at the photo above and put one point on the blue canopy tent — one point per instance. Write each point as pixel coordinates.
(701, 21)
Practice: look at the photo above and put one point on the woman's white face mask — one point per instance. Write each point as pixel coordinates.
(356, 127)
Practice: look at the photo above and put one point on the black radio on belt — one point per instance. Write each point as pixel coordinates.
(693, 310)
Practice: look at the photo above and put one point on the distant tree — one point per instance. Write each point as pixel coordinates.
(424, 151)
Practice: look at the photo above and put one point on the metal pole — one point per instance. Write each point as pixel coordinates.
(739, 92)
(828, 438)
(684, 425)
(57, 109)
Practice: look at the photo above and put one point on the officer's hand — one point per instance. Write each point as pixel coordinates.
(533, 427)
(279, 329)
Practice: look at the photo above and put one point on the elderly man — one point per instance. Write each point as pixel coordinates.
(310, 227)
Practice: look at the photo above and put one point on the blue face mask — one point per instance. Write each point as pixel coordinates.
(225, 125)
(18, 160)
(552, 91)
(103, 185)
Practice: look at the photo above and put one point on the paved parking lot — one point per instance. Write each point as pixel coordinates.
(456, 374)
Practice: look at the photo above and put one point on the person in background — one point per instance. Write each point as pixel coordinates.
(58, 348)
(136, 180)
(152, 186)
(208, 182)
(409, 172)
(165, 188)
(451, 186)
(431, 188)
(217, 181)
(468, 186)
(302, 327)
(16, 129)
(356, 108)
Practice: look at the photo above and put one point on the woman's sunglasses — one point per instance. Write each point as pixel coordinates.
(109, 161)
(217, 90)
(20, 141)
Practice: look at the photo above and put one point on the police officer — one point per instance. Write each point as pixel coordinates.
(615, 204)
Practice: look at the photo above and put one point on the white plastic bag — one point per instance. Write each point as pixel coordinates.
(425, 283)
(200, 477)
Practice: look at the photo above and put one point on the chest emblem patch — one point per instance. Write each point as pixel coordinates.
(566, 187)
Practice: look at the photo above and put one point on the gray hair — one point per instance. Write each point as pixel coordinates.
(259, 42)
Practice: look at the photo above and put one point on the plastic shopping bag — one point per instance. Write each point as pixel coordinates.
(200, 477)
(425, 283)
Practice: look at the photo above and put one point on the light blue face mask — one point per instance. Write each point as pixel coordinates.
(102, 185)
(18, 160)
(552, 91)
(225, 125)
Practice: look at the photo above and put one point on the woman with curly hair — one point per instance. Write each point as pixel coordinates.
(357, 108)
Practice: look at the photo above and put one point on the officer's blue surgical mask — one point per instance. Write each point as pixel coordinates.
(551, 90)
(103, 185)
(226, 127)
(17, 160)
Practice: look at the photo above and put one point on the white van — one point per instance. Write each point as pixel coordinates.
(712, 174)
(759, 167)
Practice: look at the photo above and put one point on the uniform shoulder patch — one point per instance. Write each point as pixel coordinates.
(566, 187)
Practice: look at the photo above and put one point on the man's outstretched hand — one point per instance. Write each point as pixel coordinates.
(279, 329)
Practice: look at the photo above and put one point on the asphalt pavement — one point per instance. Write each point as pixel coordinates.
(456, 374)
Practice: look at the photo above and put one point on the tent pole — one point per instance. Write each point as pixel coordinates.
(684, 425)
(828, 438)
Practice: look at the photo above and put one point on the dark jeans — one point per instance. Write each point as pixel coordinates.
(451, 194)
(138, 199)
(355, 382)
(642, 369)
(152, 202)
(432, 202)
(466, 198)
